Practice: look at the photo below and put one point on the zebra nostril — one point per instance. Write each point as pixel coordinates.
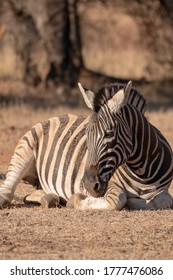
(97, 187)
(105, 178)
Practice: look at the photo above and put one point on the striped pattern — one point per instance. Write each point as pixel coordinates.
(61, 153)
(54, 152)
(148, 169)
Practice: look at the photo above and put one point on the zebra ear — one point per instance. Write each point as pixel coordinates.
(120, 98)
(128, 88)
(88, 96)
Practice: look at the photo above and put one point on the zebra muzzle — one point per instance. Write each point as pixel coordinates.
(93, 184)
(96, 189)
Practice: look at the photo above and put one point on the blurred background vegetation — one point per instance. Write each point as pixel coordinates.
(47, 46)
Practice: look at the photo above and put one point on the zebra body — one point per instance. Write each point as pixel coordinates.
(62, 153)
(107, 160)
(53, 154)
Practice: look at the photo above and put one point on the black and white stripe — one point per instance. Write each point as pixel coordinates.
(54, 152)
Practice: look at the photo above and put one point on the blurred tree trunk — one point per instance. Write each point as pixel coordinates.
(41, 49)
(41, 38)
(62, 38)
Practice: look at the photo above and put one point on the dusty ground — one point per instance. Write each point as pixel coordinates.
(36, 233)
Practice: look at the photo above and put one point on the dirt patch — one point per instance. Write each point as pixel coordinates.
(36, 233)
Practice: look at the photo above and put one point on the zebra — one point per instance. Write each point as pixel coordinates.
(76, 161)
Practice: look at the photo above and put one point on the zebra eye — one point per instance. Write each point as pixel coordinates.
(109, 134)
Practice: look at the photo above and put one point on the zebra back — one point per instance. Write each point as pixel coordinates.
(108, 91)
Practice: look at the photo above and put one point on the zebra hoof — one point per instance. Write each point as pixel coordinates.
(34, 197)
(74, 200)
(50, 200)
(4, 203)
(70, 202)
(29, 201)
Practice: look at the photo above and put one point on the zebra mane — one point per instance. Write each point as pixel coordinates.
(106, 92)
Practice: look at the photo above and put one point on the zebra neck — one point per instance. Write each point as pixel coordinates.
(147, 149)
(151, 156)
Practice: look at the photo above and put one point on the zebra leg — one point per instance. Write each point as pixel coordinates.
(40, 197)
(114, 199)
(160, 201)
(21, 164)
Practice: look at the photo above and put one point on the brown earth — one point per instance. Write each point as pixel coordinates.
(60, 233)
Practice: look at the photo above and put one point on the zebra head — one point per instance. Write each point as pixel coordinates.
(109, 139)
